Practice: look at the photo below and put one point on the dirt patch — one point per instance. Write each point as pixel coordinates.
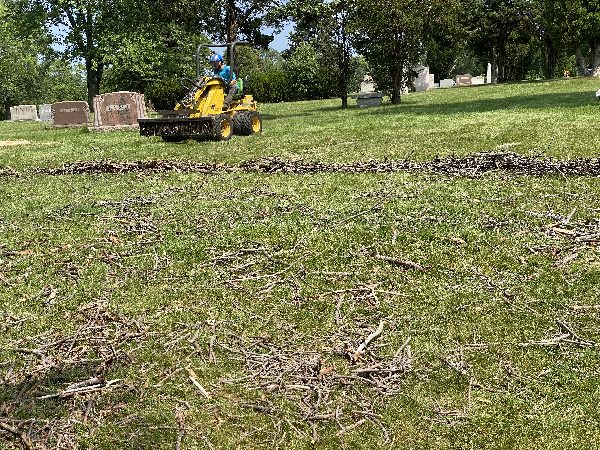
(472, 166)
(13, 143)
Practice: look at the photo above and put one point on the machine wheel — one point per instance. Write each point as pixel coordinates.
(246, 123)
(223, 127)
(173, 138)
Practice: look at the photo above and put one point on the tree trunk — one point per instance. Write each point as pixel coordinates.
(344, 101)
(581, 62)
(231, 20)
(397, 86)
(93, 78)
(494, 66)
(551, 58)
(344, 76)
(596, 63)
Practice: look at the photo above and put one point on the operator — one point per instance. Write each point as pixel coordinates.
(223, 71)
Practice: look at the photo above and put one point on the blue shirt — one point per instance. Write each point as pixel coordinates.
(224, 73)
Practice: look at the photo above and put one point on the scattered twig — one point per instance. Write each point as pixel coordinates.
(374, 335)
(404, 263)
(194, 379)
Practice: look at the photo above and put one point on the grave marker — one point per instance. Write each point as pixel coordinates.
(45, 112)
(464, 80)
(446, 83)
(365, 99)
(119, 109)
(23, 112)
(367, 85)
(70, 114)
(477, 80)
(424, 80)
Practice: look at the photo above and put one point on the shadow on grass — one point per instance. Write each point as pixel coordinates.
(518, 102)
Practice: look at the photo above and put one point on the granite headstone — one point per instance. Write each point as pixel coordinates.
(365, 99)
(424, 80)
(23, 112)
(446, 83)
(464, 80)
(118, 109)
(70, 113)
(477, 80)
(45, 112)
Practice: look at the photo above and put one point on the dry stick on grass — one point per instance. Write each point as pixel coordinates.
(569, 330)
(24, 438)
(181, 432)
(362, 347)
(78, 388)
(194, 379)
(350, 427)
(404, 263)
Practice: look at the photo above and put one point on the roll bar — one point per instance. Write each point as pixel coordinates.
(230, 46)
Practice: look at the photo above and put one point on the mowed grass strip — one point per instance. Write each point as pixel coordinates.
(260, 287)
(554, 118)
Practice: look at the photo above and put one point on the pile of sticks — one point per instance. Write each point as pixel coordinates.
(66, 369)
(467, 166)
(8, 172)
(340, 385)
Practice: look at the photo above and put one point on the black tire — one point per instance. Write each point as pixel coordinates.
(223, 128)
(173, 138)
(246, 123)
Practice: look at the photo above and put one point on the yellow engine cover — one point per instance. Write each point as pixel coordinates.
(208, 100)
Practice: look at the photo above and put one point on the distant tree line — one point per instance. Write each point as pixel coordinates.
(148, 45)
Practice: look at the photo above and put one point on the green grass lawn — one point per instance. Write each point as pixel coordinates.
(225, 310)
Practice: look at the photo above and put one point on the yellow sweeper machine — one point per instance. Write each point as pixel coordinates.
(202, 114)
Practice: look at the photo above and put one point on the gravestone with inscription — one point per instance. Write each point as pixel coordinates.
(23, 112)
(478, 80)
(119, 109)
(45, 112)
(464, 80)
(70, 114)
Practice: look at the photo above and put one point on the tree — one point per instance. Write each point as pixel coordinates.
(445, 38)
(389, 37)
(325, 24)
(20, 72)
(582, 31)
(504, 33)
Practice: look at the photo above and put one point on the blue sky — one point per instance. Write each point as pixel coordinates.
(281, 39)
(280, 42)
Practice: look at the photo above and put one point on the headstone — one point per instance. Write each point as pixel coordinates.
(116, 109)
(478, 80)
(70, 114)
(424, 80)
(23, 112)
(464, 80)
(488, 75)
(366, 99)
(367, 85)
(45, 112)
(446, 83)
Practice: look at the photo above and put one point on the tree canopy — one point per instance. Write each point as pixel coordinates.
(145, 45)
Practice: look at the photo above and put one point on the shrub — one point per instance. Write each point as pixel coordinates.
(269, 87)
(165, 94)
